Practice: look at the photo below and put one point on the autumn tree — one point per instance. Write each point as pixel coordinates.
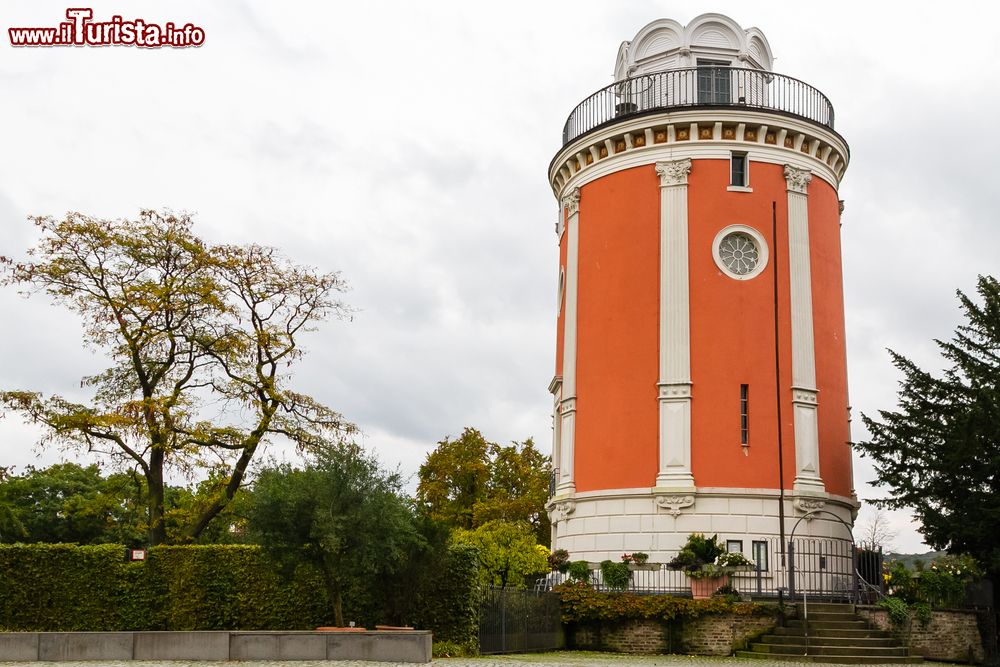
(469, 481)
(938, 452)
(185, 324)
(508, 552)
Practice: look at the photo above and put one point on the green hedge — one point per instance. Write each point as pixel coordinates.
(48, 587)
(449, 598)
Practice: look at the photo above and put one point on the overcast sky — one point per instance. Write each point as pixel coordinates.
(405, 144)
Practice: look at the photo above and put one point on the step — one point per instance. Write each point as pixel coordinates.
(812, 649)
(841, 633)
(827, 625)
(829, 616)
(831, 607)
(837, 659)
(800, 640)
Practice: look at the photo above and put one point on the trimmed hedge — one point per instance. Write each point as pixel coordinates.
(582, 604)
(49, 587)
(449, 599)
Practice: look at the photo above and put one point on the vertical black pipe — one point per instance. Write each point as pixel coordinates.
(777, 383)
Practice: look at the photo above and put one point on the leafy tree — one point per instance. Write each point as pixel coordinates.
(184, 324)
(343, 513)
(508, 551)
(454, 478)
(939, 451)
(67, 502)
(518, 488)
(468, 482)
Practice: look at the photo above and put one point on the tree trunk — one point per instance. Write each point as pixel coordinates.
(154, 480)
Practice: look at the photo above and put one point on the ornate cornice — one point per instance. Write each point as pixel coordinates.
(797, 179)
(673, 172)
(571, 202)
(560, 510)
(808, 504)
(674, 503)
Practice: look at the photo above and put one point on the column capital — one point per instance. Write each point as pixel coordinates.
(571, 202)
(673, 172)
(797, 179)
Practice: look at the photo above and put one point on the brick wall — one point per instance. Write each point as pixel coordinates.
(952, 635)
(712, 634)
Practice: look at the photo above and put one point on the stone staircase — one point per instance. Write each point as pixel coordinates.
(834, 633)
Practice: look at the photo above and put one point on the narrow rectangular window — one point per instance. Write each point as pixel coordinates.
(738, 170)
(760, 555)
(744, 414)
(734, 546)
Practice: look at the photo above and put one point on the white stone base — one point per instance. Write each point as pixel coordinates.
(600, 525)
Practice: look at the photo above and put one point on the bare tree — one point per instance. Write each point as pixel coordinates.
(877, 532)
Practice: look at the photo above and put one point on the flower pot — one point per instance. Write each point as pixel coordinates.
(702, 589)
(648, 567)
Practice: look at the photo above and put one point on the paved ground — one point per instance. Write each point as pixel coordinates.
(560, 659)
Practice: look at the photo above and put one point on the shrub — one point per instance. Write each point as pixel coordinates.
(582, 604)
(579, 570)
(615, 575)
(559, 560)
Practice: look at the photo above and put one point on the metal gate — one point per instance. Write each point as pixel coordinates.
(519, 620)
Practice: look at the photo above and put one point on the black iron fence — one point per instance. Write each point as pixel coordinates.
(699, 87)
(818, 568)
(519, 620)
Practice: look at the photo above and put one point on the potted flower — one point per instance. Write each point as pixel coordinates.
(639, 561)
(707, 564)
(559, 560)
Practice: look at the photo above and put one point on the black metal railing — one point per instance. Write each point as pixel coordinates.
(519, 620)
(824, 569)
(699, 87)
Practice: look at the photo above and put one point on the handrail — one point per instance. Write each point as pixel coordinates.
(699, 87)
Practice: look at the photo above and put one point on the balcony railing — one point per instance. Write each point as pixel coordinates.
(717, 87)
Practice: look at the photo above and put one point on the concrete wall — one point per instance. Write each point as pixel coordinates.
(405, 646)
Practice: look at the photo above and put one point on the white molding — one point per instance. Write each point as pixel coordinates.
(762, 250)
(739, 188)
(674, 394)
(830, 168)
(804, 415)
(703, 150)
(567, 405)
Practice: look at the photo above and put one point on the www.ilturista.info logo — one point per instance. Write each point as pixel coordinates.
(81, 30)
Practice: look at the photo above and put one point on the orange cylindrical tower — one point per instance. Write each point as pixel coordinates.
(701, 377)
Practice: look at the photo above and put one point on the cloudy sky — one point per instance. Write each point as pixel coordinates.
(405, 144)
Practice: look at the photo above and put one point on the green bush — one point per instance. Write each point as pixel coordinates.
(579, 570)
(582, 604)
(615, 575)
(447, 602)
(49, 587)
(61, 587)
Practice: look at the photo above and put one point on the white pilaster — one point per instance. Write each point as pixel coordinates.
(804, 401)
(567, 405)
(674, 387)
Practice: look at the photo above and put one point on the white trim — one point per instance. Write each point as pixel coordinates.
(761, 249)
(830, 169)
(674, 387)
(738, 188)
(567, 404)
(804, 416)
(703, 150)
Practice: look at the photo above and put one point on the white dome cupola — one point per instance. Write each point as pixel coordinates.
(709, 39)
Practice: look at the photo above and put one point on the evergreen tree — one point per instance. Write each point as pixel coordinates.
(939, 452)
